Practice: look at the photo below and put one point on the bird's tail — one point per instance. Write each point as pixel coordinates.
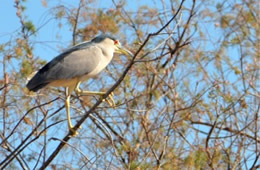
(36, 83)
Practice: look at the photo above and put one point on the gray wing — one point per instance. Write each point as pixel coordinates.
(75, 62)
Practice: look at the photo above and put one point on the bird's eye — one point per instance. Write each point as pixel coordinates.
(116, 42)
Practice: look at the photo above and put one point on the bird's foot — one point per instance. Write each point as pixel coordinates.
(110, 100)
(73, 132)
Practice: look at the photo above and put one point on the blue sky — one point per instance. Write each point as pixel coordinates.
(46, 45)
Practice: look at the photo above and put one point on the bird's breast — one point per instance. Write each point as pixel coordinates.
(64, 82)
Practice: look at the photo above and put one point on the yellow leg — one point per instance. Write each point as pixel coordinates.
(67, 105)
(81, 92)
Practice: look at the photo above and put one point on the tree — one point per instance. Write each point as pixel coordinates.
(187, 99)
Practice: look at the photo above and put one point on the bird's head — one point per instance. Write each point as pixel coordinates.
(120, 49)
(111, 42)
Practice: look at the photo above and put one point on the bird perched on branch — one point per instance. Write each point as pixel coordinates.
(77, 64)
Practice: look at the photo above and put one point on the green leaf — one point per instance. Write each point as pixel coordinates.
(218, 6)
(237, 70)
(127, 81)
(26, 68)
(29, 27)
(225, 21)
(156, 94)
(250, 19)
(235, 40)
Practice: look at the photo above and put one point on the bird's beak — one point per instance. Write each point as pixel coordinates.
(121, 50)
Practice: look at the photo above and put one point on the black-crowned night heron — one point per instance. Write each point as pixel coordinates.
(75, 65)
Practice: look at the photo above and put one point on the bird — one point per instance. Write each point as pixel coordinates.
(75, 65)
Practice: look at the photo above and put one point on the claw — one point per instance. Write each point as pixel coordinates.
(110, 100)
(73, 131)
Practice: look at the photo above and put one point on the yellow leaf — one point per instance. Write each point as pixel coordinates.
(27, 121)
